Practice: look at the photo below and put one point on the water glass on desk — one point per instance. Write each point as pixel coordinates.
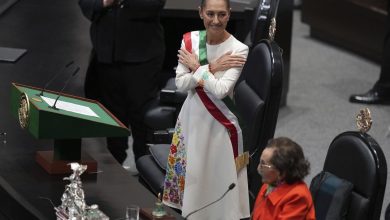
(132, 212)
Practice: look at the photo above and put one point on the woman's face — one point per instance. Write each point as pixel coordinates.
(215, 15)
(268, 172)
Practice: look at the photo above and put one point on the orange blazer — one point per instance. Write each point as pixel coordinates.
(286, 202)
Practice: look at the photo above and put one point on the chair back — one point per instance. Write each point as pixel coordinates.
(257, 97)
(357, 158)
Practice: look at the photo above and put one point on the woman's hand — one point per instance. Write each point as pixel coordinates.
(201, 83)
(226, 62)
(190, 60)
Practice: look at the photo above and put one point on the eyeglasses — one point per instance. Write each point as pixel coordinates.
(263, 165)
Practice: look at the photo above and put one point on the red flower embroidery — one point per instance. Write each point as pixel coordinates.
(173, 149)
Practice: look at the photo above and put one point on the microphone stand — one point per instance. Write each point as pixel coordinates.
(231, 186)
(66, 84)
(55, 76)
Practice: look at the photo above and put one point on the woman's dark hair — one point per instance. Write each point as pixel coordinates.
(203, 3)
(288, 158)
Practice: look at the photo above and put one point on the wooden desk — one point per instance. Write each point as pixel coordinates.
(23, 182)
(357, 25)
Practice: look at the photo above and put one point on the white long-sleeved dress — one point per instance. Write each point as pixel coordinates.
(201, 162)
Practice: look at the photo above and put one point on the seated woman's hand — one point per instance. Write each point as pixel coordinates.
(190, 60)
(227, 61)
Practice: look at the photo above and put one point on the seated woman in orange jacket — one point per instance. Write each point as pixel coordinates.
(283, 196)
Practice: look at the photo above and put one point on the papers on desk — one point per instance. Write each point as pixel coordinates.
(70, 107)
(11, 54)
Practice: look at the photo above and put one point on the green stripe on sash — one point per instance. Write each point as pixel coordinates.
(202, 48)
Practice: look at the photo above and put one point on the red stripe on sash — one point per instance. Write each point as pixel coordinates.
(187, 41)
(220, 117)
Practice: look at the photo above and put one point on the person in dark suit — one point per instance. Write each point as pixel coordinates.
(127, 55)
(380, 93)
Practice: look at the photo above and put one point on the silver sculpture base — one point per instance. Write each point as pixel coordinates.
(91, 214)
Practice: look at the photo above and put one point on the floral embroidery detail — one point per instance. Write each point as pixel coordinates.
(176, 169)
(173, 149)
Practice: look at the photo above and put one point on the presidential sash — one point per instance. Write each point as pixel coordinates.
(195, 42)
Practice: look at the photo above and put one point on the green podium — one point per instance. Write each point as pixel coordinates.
(71, 119)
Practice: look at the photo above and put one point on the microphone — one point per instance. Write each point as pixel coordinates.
(54, 77)
(66, 84)
(231, 186)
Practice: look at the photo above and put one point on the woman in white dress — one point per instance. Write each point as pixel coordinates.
(207, 142)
